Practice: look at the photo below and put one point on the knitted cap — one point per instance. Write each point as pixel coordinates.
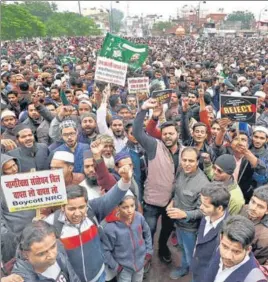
(226, 163)
(67, 123)
(7, 113)
(121, 155)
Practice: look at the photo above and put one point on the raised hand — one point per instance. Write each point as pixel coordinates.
(96, 149)
(126, 173)
(151, 103)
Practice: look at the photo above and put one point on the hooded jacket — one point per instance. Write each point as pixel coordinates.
(127, 246)
(25, 270)
(13, 223)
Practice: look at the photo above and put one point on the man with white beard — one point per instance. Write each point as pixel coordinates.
(108, 151)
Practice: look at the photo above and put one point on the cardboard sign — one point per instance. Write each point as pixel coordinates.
(242, 109)
(34, 190)
(111, 71)
(162, 96)
(138, 85)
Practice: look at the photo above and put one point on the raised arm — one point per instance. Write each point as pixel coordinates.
(147, 142)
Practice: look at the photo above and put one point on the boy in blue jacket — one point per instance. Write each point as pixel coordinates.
(127, 242)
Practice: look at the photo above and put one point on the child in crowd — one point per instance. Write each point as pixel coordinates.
(127, 242)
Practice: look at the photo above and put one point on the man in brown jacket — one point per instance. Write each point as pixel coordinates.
(257, 212)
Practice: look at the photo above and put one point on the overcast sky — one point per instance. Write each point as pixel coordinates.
(166, 8)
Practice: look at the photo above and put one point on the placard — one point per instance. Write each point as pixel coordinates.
(34, 190)
(111, 71)
(162, 96)
(239, 108)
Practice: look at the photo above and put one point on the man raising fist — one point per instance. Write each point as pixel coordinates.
(78, 225)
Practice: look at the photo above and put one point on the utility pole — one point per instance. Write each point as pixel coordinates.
(79, 6)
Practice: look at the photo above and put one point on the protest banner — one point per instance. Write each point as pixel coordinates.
(239, 108)
(137, 85)
(162, 96)
(34, 190)
(122, 50)
(110, 71)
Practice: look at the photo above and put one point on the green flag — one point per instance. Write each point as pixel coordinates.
(68, 59)
(122, 50)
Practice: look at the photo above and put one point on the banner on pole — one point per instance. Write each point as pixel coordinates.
(122, 50)
(34, 190)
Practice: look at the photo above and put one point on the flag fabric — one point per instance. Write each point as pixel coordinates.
(122, 50)
(68, 59)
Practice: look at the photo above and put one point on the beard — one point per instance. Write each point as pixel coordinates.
(109, 162)
(91, 181)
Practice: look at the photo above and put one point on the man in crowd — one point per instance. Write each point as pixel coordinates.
(8, 121)
(163, 163)
(257, 212)
(90, 181)
(89, 128)
(87, 214)
(69, 132)
(65, 161)
(214, 202)
(31, 155)
(40, 257)
(222, 171)
(184, 208)
(234, 260)
(116, 130)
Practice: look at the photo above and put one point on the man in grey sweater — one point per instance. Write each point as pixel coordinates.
(184, 207)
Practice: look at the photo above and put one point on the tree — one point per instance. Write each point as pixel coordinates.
(40, 9)
(161, 26)
(116, 20)
(17, 22)
(70, 24)
(246, 18)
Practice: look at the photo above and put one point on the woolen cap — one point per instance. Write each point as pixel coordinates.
(226, 163)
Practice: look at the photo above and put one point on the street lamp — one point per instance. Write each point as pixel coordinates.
(199, 4)
(261, 11)
(111, 15)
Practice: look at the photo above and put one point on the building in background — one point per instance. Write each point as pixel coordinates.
(100, 16)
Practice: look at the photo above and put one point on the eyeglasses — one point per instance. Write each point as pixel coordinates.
(72, 134)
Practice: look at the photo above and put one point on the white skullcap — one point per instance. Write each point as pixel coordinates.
(243, 89)
(85, 102)
(236, 93)
(7, 113)
(241, 78)
(63, 156)
(260, 94)
(262, 129)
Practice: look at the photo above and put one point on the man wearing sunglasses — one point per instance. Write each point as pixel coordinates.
(222, 171)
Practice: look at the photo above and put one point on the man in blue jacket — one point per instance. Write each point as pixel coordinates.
(214, 203)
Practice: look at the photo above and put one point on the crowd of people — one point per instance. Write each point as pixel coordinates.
(128, 161)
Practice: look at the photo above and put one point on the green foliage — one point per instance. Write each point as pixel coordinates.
(17, 22)
(40, 9)
(116, 20)
(70, 24)
(40, 18)
(246, 18)
(160, 26)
